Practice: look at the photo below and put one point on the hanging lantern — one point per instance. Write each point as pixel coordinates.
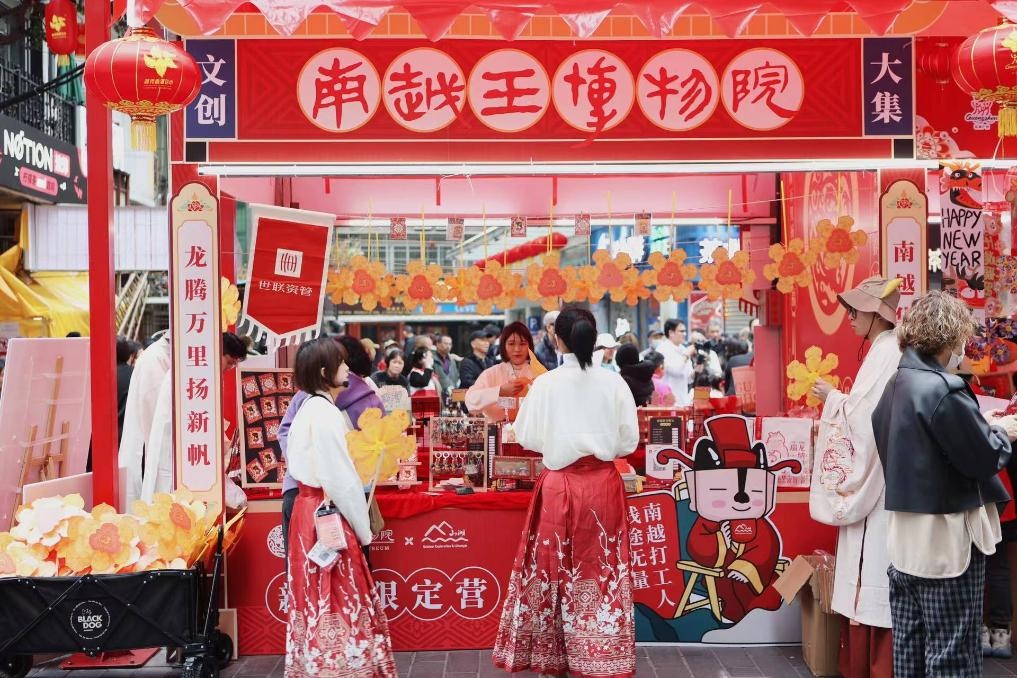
(61, 29)
(986, 66)
(143, 76)
(79, 49)
(934, 61)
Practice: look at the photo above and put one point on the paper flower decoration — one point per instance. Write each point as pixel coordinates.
(361, 282)
(727, 275)
(380, 443)
(671, 276)
(31, 560)
(579, 285)
(790, 266)
(839, 243)
(608, 276)
(45, 521)
(546, 282)
(635, 286)
(230, 302)
(489, 288)
(419, 286)
(101, 543)
(803, 376)
(173, 525)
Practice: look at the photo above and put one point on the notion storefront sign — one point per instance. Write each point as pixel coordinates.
(40, 166)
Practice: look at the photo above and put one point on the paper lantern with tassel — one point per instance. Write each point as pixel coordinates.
(984, 67)
(143, 76)
(61, 29)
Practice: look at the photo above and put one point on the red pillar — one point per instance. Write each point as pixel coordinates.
(101, 297)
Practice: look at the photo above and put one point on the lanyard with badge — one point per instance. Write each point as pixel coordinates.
(328, 527)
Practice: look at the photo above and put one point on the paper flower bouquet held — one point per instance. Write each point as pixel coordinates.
(55, 536)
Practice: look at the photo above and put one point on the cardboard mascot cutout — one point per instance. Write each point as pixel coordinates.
(732, 489)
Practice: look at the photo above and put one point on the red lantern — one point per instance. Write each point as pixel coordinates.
(143, 76)
(934, 61)
(61, 29)
(80, 50)
(986, 66)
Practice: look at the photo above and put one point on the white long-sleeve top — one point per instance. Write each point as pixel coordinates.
(571, 413)
(483, 396)
(143, 394)
(317, 456)
(677, 371)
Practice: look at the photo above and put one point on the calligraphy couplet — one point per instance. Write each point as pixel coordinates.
(196, 320)
(903, 218)
(962, 234)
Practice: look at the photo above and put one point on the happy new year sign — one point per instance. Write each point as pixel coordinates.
(471, 91)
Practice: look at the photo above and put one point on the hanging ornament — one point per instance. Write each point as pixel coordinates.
(419, 286)
(61, 19)
(671, 276)
(839, 243)
(790, 266)
(545, 282)
(362, 281)
(982, 67)
(145, 77)
(935, 62)
(727, 275)
(493, 287)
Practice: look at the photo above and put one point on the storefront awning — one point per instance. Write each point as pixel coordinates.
(436, 17)
(45, 305)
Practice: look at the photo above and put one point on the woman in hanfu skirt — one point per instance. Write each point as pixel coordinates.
(569, 602)
(336, 625)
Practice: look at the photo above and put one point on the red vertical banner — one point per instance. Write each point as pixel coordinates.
(903, 218)
(196, 320)
(654, 547)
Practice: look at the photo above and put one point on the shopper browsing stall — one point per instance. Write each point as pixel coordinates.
(848, 486)
(940, 458)
(580, 418)
(327, 573)
(421, 376)
(498, 390)
(392, 375)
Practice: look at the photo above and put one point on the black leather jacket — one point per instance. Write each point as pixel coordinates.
(939, 455)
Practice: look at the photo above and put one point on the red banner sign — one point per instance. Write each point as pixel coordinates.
(288, 267)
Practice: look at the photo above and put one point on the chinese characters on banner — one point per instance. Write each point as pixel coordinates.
(762, 89)
(904, 217)
(212, 115)
(787, 438)
(654, 548)
(888, 99)
(288, 266)
(961, 233)
(197, 418)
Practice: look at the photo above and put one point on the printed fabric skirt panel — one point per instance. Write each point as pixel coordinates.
(336, 626)
(569, 603)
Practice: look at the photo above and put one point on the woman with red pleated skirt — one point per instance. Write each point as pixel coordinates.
(336, 625)
(569, 604)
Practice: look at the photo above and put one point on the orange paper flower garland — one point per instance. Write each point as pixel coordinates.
(726, 277)
(803, 376)
(671, 276)
(420, 286)
(839, 243)
(363, 282)
(790, 266)
(545, 282)
(489, 288)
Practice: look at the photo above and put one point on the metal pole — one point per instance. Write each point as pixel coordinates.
(101, 274)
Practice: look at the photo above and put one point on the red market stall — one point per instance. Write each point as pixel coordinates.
(361, 124)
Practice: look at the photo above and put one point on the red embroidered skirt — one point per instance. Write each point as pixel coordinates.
(569, 603)
(336, 626)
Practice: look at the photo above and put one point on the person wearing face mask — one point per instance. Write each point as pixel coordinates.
(847, 489)
(338, 584)
(941, 458)
(653, 339)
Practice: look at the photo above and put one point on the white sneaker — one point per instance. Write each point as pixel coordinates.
(986, 642)
(1001, 645)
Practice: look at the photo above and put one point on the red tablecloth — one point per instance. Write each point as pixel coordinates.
(397, 504)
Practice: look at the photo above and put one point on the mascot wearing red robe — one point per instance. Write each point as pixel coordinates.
(732, 490)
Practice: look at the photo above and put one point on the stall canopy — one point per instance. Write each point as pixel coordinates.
(44, 305)
(510, 17)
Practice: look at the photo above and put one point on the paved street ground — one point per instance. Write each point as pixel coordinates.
(653, 662)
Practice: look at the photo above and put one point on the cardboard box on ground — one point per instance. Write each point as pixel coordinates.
(820, 625)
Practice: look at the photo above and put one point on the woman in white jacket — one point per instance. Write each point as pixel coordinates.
(848, 486)
(336, 624)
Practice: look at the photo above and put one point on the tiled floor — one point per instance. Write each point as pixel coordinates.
(653, 662)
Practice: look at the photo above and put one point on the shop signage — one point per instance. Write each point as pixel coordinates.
(888, 86)
(288, 266)
(904, 214)
(477, 91)
(196, 313)
(40, 166)
(962, 232)
(212, 115)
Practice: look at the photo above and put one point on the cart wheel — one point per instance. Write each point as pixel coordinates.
(15, 666)
(223, 649)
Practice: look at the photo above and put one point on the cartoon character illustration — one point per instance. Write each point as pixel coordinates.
(965, 185)
(732, 489)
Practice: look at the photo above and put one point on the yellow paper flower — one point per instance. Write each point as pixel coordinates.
(494, 286)
(419, 286)
(45, 521)
(7, 566)
(230, 302)
(380, 443)
(803, 376)
(102, 543)
(791, 265)
(727, 275)
(546, 282)
(839, 243)
(671, 276)
(362, 282)
(579, 285)
(635, 286)
(31, 560)
(609, 276)
(174, 525)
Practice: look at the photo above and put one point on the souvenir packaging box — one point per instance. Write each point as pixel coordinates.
(265, 393)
